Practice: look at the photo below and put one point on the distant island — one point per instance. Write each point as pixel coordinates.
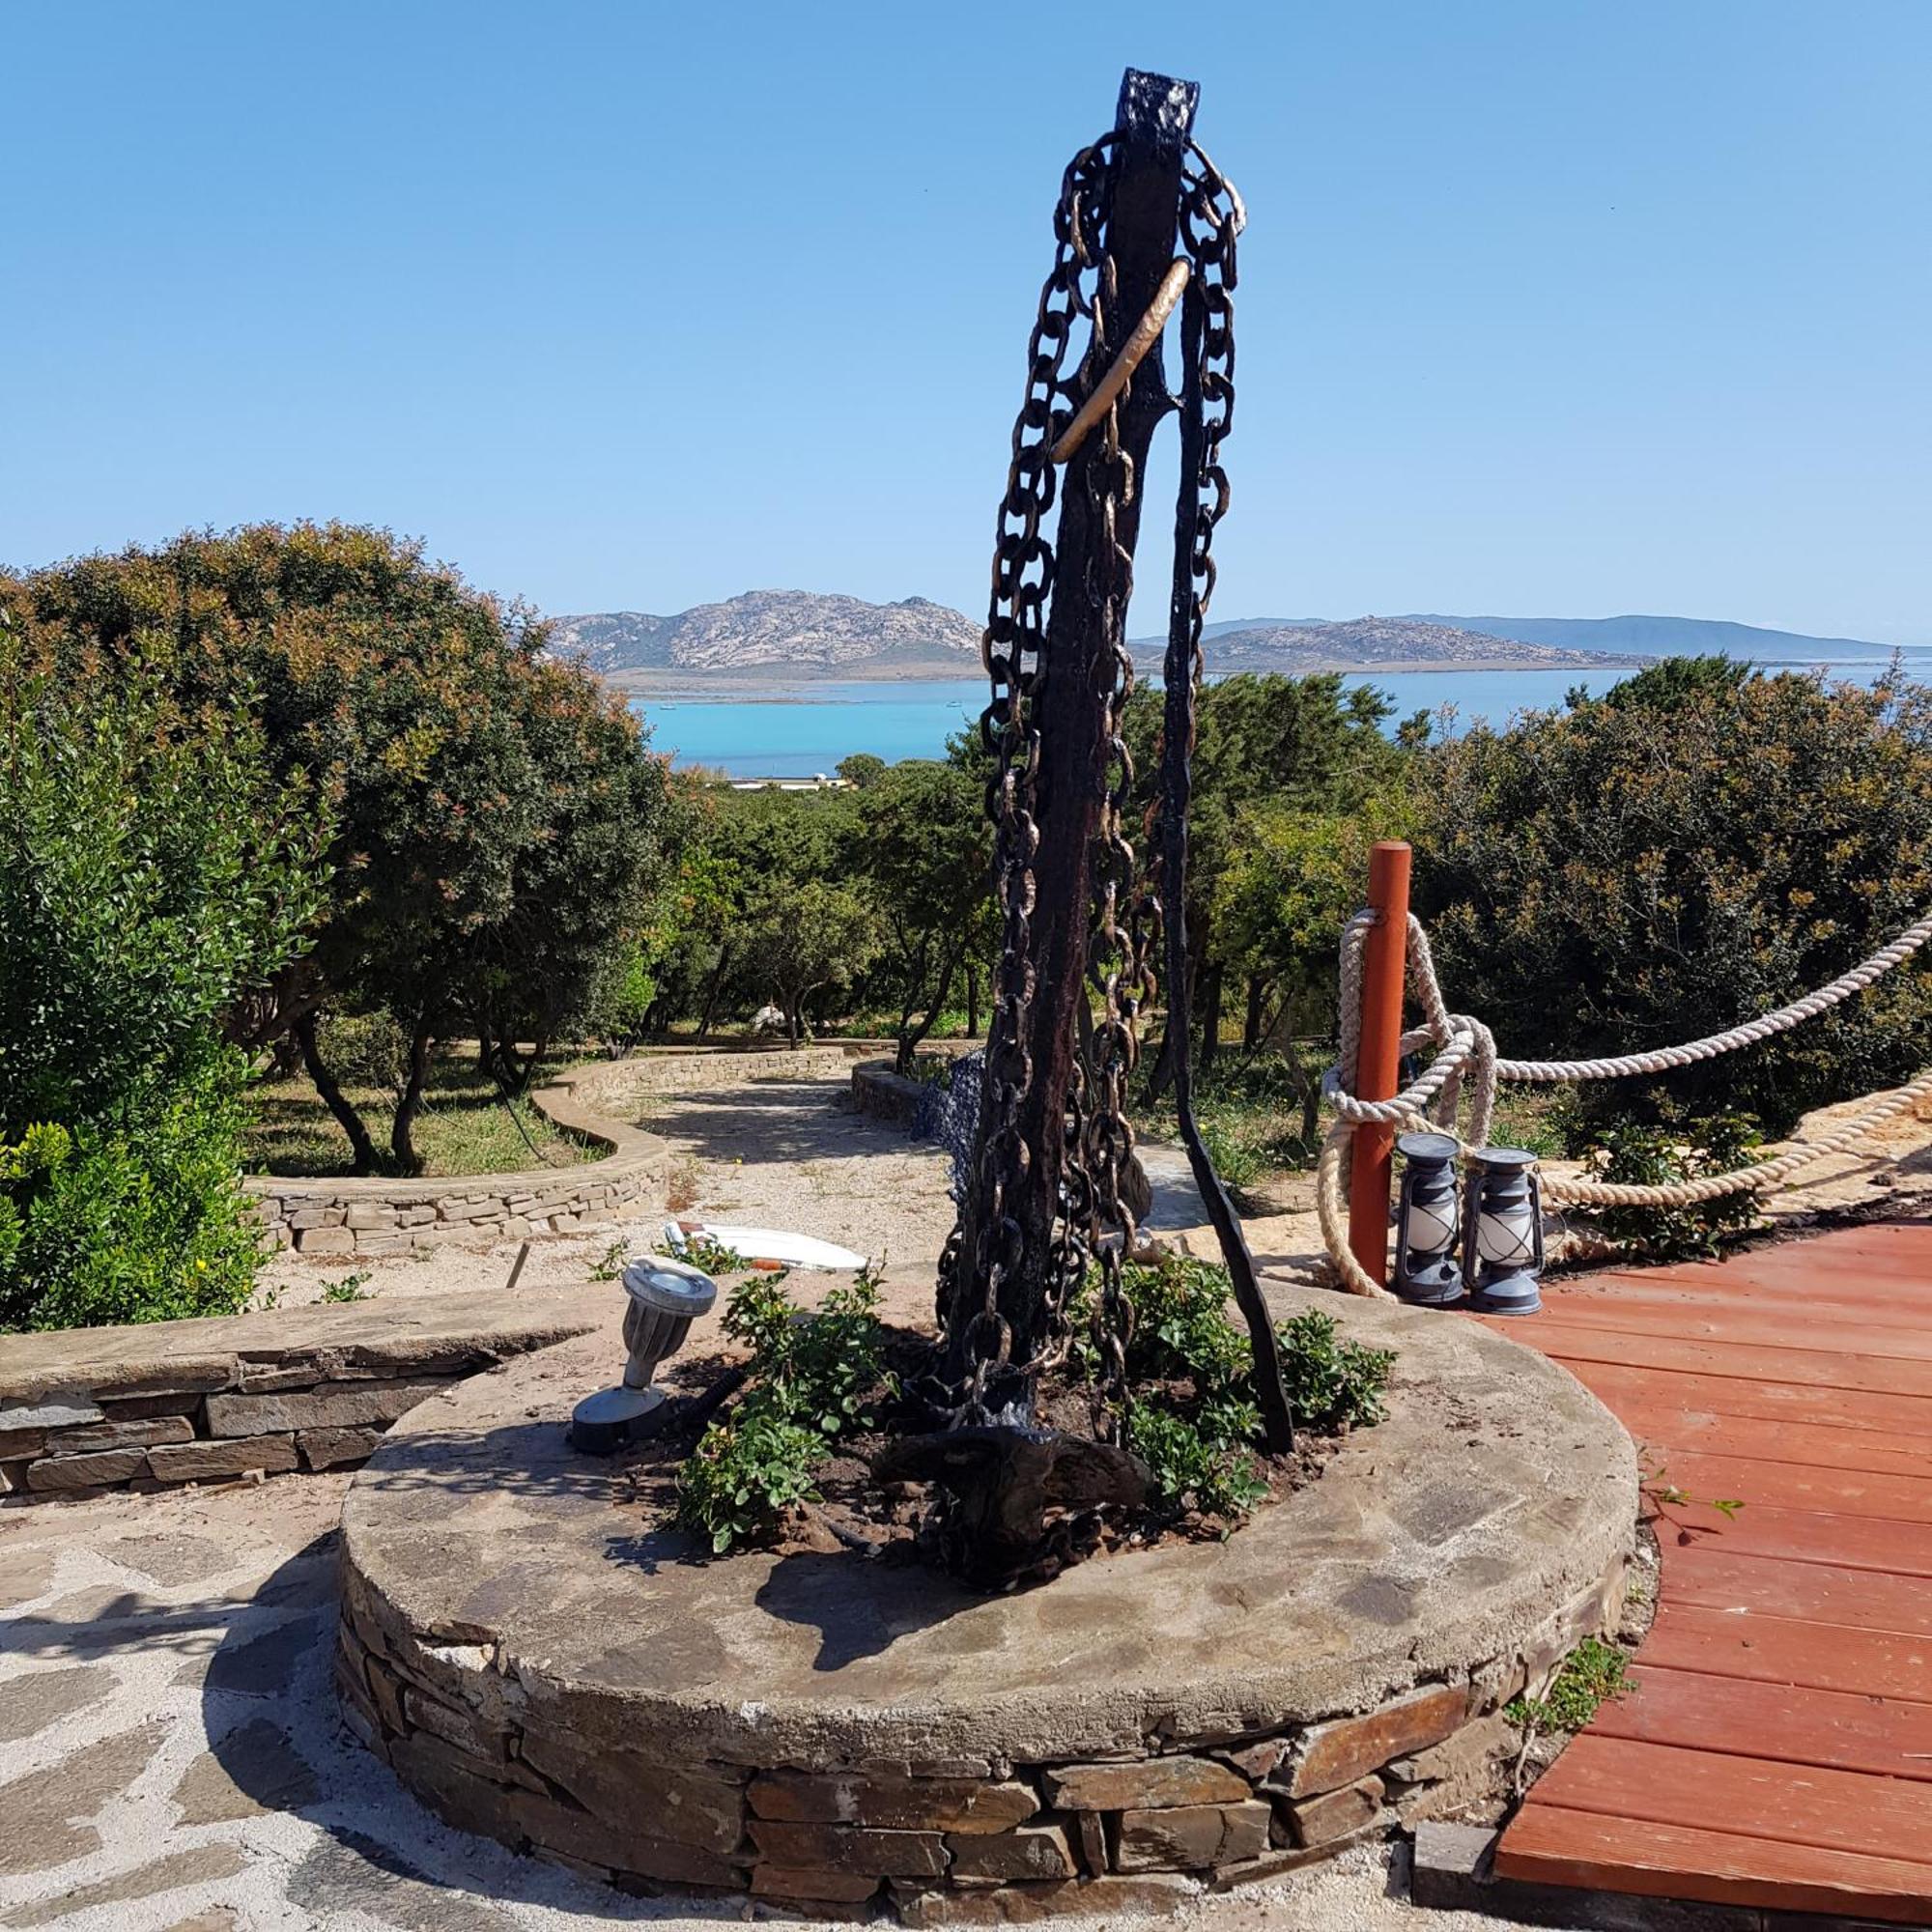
(767, 641)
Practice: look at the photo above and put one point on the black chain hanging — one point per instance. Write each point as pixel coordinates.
(1093, 1222)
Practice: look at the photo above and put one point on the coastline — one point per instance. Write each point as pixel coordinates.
(750, 686)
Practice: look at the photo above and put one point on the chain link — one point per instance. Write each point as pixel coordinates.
(1012, 651)
(1094, 1221)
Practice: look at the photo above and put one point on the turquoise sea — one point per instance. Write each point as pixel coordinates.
(796, 733)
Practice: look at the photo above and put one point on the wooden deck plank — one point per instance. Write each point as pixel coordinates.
(1665, 1431)
(1748, 1796)
(1758, 1484)
(1802, 1311)
(1777, 1751)
(1706, 1575)
(1788, 1651)
(1739, 1318)
(1701, 1711)
(1614, 1383)
(1551, 1845)
(1803, 1536)
(1814, 1369)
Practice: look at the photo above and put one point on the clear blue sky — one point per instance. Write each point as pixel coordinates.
(1545, 309)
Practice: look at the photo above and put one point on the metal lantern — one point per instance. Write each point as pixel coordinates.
(664, 1298)
(1502, 1240)
(1427, 1222)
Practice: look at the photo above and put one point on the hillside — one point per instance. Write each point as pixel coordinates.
(1667, 637)
(1370, 644)
(789, 634)
(747, 644)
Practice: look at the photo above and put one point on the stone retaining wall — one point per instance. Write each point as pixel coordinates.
(946, 1842)
(881, 1095)
(153, 1404)
(817, 1729)
(366, 1216)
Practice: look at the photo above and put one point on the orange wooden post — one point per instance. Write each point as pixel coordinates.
(1377, 1069)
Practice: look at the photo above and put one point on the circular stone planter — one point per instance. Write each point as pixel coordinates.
(539, 1667)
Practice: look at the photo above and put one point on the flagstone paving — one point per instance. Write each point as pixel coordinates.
(171, 1759)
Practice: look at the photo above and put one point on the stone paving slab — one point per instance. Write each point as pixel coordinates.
(178, 1764)
(62, 1370)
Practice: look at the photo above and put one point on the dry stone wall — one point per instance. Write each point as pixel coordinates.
(153, 1404)
(945, 1841)
(356, 1217)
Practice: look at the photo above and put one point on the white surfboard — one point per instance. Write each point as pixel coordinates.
(768, 1244)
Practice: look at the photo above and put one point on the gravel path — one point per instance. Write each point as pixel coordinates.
(782, 1153)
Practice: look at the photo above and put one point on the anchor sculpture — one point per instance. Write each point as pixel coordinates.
(1145, 225)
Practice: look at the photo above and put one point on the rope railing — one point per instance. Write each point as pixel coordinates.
(1466, 1054)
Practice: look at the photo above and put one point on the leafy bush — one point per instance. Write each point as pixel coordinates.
(1191, 1414)
(364, 1049)
(805, 1387)
(1639, 1156)
(1698, 847)
(1592, 1673)
(149, 874)
(1195, 1465)
(133, 1217)
(495, 816)
(746, 1471)
(1333, 1384)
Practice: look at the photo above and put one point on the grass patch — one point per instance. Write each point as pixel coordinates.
(1592, 1673)
(464, 1127)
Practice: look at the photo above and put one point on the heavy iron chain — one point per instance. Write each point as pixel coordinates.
(1012, 651)
(1119, 969)
(1094, 1221)
(1123, 955)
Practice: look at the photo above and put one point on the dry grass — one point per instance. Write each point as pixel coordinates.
(464, 1127)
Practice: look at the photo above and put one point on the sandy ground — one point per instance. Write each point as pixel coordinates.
(786, 1152)
(171, 1759)
(791, 1152)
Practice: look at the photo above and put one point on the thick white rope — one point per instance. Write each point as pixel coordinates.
(1466, 1046)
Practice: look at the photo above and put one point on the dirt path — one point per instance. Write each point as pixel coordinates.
(778, 1152)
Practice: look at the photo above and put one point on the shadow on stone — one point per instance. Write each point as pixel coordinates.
(277, 1744)
(858, 1607)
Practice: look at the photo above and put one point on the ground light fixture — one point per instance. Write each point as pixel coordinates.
(1502, 1240)
(1427, 1221)
(663, 1298)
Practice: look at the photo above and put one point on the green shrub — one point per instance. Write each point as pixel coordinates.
(135, 1222)
(1333, 1384)
(1703, 844)
(1592, 1673)
(150, 875)
(807, 1385)
(1195, 1464)
(1191, 1414)
(364, 1049)
(1635, 1155)
(746, 1471)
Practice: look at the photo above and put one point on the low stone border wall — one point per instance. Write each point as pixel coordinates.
(151, 1405)
(946, 1842)
(881, 1095)
(358, 1217)
(838, 1735)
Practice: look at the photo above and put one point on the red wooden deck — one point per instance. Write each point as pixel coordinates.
(1777, 1750)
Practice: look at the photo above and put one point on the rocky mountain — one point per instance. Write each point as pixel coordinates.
(1301, 645)
(767, 634)
(767, 638)
(1667, 637)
